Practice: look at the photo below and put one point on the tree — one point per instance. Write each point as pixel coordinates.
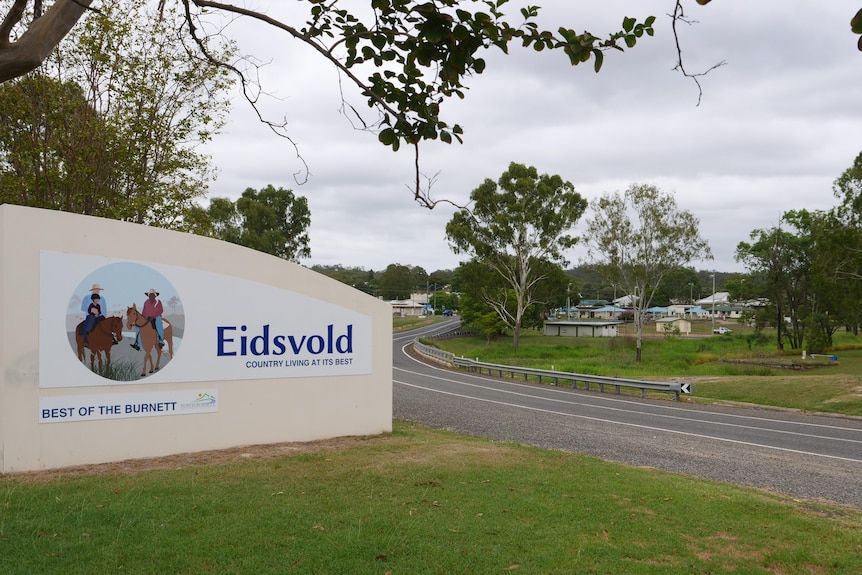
(515, 225)
(471, 279)
(848, 189)
(846, 238)
(272, 220)
(551, 293)
(362, 279)
(56, 152)
(783, 258)
(109, 125)
(638, 238)
(396, 282)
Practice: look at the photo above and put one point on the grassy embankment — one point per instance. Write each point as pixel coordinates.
(415, 502)
(721, 368)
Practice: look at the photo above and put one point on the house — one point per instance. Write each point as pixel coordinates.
(678, 309)
(625, 301)
(407, 308)
(658, 311)
(670, 324)
(716, 298)
(604, 312)
(607, 312)
(582, 328)
(697, 312)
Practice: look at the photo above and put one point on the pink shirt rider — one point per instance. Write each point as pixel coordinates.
(152, 308)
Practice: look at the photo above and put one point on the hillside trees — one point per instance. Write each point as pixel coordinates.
(515, 226)
(109, 125)
(360, 278)
(637, 239)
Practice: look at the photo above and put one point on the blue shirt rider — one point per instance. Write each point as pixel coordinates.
(87, 306)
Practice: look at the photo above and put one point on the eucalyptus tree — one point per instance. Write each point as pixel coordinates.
(637, 239)
(515, 225)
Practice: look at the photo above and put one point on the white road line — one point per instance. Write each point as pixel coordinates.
(614, 400)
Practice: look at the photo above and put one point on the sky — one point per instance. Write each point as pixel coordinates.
(123, 284)
(776, 125)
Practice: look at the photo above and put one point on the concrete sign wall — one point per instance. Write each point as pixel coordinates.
(254, 349)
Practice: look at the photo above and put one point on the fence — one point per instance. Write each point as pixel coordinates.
(554, 377)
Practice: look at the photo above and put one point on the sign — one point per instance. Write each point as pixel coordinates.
(124, 405)
(211, 327)
(685, 387)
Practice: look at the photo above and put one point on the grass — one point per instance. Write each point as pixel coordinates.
(721, 368)
(413, 322)
(119, 371)
(417, 501)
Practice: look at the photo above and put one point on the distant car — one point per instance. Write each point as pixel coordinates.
(448, 313)
(722, 330)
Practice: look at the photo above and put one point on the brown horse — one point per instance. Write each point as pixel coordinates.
(101, 339)
(150, 338)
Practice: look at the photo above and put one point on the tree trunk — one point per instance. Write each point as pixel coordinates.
(780, 327)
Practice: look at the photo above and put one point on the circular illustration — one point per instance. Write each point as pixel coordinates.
(125, 321)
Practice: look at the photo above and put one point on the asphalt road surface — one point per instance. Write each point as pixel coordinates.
(808, 457)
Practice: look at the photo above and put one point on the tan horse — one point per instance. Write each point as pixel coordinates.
(101, 339)
(150, 338)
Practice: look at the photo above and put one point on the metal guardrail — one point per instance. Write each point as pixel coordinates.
(553, 376)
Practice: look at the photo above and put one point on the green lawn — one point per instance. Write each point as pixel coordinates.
(416, 502)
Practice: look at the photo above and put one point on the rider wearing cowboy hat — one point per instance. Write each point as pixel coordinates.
(153, 311)
(87, 306)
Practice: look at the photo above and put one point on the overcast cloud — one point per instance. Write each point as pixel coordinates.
(776, 126)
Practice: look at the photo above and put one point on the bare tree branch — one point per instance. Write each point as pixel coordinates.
(678, 17)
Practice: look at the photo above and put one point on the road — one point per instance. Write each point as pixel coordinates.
(810, 457)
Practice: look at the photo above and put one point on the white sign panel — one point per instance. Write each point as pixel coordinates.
(124, 405)
(211, 327)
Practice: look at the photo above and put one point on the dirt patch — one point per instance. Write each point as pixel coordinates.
(214, 457)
